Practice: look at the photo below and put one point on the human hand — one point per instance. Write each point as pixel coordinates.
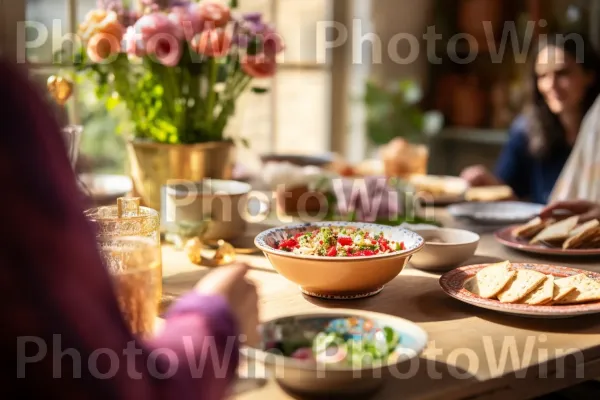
(478, 175)
(586, 210)
(242, 296)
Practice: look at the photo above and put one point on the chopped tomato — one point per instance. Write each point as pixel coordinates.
(332, 252)
(345, 241)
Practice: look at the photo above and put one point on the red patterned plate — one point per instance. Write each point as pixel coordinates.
(505, 237)
(452, 284)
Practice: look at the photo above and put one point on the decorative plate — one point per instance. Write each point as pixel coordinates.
(452, 283)
(505, 237)
(496, 213)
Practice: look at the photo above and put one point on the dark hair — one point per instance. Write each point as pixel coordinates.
(546, 132)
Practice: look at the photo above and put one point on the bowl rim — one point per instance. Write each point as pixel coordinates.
(254, 353)
(475, 237)
(267, 249)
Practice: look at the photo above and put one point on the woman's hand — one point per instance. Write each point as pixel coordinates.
(478, 175)
(586, 210)
(230, 282)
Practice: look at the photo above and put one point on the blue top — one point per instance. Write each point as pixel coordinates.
(530, 178)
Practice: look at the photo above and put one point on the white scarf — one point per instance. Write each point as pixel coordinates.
(580, 177)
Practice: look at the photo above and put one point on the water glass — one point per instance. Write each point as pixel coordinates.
(134, 264)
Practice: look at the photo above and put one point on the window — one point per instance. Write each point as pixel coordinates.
(292, 117)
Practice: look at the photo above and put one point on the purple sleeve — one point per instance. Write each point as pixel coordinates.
(202, 332)
(59, 309)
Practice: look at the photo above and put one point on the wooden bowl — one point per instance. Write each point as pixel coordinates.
(339, 278)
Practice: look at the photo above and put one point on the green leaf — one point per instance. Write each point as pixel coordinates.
(259, 90)
(245, 143)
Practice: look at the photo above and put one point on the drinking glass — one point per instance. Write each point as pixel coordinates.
(134, 264)
(124, 220)
(72, 137)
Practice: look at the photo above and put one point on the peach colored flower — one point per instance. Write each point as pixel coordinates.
(156, 35)
(212, 43)
(101, 21)
(101, 33)
(259, 66)
(214, 13)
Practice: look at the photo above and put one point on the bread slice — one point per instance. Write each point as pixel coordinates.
(582, 234)
(543, 294)
(531, 228)
(558, 231)
(525, 282)
(489, 281)
(586, 289)
(489, 193)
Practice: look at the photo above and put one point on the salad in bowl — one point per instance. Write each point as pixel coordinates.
(339, 260)
(354, 349)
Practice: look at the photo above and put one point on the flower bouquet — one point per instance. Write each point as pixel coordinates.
(179, 67)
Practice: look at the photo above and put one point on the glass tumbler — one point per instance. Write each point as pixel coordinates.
(127, 219)
(134, 266)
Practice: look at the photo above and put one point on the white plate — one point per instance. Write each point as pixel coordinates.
(496, 213)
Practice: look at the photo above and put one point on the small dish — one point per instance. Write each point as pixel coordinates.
(335, 277)
(309, 375)
(444, 249)
(105, 189)
(496, 213)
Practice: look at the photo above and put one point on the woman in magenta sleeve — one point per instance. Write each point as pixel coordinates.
(58, 308)
(564, 85)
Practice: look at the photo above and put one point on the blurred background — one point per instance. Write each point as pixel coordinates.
(317, 103)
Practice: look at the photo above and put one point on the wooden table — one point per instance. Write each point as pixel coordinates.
(472, 353)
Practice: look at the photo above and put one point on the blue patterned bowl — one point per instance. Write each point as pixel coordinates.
(282, 337)
(339, 277)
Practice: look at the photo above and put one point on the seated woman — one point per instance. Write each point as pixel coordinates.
(565, 84)
(59, 310)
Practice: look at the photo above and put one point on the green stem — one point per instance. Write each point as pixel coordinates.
(210, 104)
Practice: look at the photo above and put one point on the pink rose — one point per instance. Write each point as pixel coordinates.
(189, 22)
(212, 43)
(259, 66)
(272, 42)
(159, 37)
(214, 13)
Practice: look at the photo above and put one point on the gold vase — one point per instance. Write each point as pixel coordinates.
(152, 165)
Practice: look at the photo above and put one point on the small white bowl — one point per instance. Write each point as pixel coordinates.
(444, 249)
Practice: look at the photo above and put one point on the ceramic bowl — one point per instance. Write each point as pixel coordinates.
(339, 277)
(444, 248)
(219, 203)
(105, 189)
(282, 336)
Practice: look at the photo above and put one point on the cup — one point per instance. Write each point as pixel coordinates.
(72, 137)
(134, 264)
(127, 219)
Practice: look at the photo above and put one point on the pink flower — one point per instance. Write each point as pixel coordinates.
(214, 13)
(259, 66)
(272, 42)
(132, 43)
(189, 22)
(212, 43)
(157, 36)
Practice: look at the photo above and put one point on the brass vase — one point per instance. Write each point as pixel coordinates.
(152, 165)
